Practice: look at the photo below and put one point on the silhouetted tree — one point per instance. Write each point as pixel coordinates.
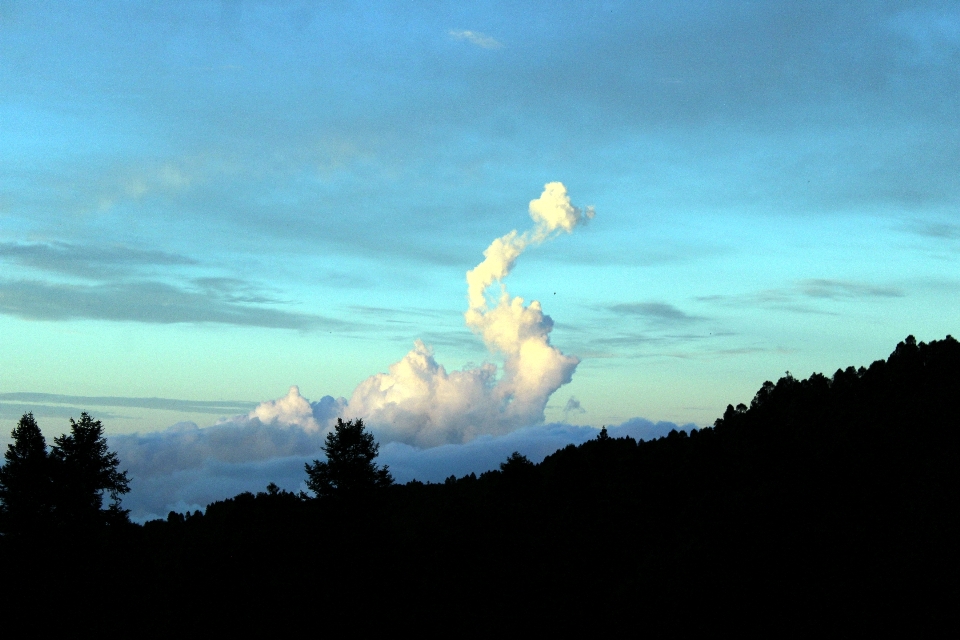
(516, 462)
(349, 468)
(518, 471)
(25, 482)
(84, 470)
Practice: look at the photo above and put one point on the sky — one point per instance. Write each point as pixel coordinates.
(204, 204)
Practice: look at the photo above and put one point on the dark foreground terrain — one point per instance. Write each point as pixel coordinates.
(828, 504)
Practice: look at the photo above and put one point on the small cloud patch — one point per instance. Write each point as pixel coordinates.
(477, 38)
(657, 311)
(820, 288)
(573, 406)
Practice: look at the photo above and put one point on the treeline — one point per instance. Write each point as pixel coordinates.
(60, 491)
(826, 502)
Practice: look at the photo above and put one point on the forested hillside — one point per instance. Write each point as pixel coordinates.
(829, 498)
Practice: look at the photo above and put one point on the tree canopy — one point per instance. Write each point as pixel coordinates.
(40, 491)
(349, 468)
(25, 479)
(86, 469)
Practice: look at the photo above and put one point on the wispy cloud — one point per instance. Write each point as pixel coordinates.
(405, 311)
(938, 230)
(656, 311)
(792, 298)
(572, 406)
(215, 407)
(149, 302)
(86, 260)
(477, 38)
(14, 409)
(819, 288)
(234, 290)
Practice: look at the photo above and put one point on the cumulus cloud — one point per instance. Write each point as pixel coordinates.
(477, 38)
(293, 408)
(186, 465)
(278, 429)
(419, 402)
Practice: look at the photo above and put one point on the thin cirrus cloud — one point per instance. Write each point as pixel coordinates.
(790, 298)
(938, 230)
(477, 38)
(820, 288)
(216, 407)
(15, 409)
(655, 311)
(147, 302)
(83, 260)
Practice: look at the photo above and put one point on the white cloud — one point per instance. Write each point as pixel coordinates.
(420, 403)
(293, 408)
(477, 38)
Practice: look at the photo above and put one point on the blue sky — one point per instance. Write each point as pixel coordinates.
(210, 202)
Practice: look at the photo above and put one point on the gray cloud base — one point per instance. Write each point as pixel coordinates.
(186, 467)
(149, 302)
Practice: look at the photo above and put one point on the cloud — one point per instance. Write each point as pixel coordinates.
(573, 406)
(153, 496)
(938, 230)
(294, 409)
(13, 410)
(86, 260)
(186, 467)
(416, 405)
(643, 429)
(734, 94)
(146, 301)
(791, 298)
(830, 289)
(477, 38)
(417, 401)
(217, 407)
(285, 427)
(656, 311)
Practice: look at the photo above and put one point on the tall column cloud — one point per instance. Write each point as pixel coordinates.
(420, 403)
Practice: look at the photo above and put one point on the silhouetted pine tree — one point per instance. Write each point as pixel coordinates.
(84, 470)
(349, 468)
(25, 481)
